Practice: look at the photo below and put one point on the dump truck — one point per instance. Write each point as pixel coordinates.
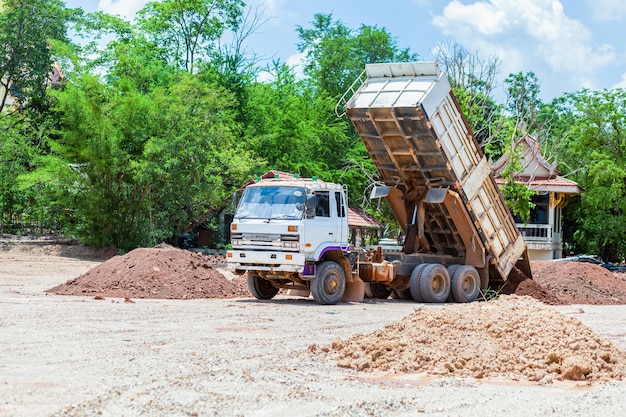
(459, 235)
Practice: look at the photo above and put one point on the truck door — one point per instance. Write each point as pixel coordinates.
(341, 218)
(324, 218)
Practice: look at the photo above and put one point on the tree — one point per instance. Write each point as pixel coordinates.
(32, 34)
(473, 81)
(594, 151)
(335, 55)
(26, 29)
(293, 130)
(140, 166)
(187, 30)
(523, 99)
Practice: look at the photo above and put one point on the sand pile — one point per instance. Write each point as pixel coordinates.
(514, 337)
(168, 273)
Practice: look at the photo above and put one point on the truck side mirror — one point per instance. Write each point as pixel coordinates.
(379, 191)
(311, 204)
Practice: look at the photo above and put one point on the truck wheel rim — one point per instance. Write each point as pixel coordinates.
(332, 284)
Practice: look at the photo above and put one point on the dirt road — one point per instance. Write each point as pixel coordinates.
(78, 356)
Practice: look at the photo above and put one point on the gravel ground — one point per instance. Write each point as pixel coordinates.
(78, 356)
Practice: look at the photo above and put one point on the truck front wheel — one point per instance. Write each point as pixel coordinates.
(329, 283)
(261, 288)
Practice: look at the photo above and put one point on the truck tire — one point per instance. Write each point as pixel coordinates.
(451, 269)
(260, 288)
(377, 290)
(329, 283)
(434, 284)
(414, 282)
(465, 284)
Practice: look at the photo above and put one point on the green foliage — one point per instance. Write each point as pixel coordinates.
(292, 130)
(31, 32)
(336, 55)
(523, 98)
(13, 159)
(145, 165)
(26, 27)
(28, 201)
(186, 30)
(595, 153)
(517, 196)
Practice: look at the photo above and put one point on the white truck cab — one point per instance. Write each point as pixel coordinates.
(284, 229)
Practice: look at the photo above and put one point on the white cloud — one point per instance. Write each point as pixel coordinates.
(526, 35)
(274, 10)
(125, 8)
(607, 10)
(621, 83)
(297, 61)
(481, 17)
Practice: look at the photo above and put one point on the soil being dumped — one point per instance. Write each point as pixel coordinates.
(516, 338)
(167, 273)
(519, 284)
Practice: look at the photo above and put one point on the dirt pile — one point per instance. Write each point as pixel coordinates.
(514, 337)
(580, 282)
(168, 273)
(559, 282)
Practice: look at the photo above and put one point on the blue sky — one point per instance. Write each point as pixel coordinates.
(569, 44)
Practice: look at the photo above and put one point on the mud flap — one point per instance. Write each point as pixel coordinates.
(355, 290)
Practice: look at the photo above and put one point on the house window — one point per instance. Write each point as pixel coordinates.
(540, 213)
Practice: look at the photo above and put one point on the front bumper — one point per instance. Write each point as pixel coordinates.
(265, 261)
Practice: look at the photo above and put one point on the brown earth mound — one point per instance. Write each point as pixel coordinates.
(514, 337)
(580, 282)
(156, 273)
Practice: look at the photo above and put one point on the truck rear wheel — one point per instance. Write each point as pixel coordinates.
(451, 269)
(377, 290)
(261, 288)
(465, 284)
(414, 282)
(329, 283)
(434, 284)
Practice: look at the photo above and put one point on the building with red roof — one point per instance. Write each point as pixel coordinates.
(543, 232)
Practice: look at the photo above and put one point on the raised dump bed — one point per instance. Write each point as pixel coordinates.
(440, 186)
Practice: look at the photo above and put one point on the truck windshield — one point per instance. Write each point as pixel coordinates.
(272, 202)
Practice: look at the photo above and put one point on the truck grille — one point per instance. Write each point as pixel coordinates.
(276, 241)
